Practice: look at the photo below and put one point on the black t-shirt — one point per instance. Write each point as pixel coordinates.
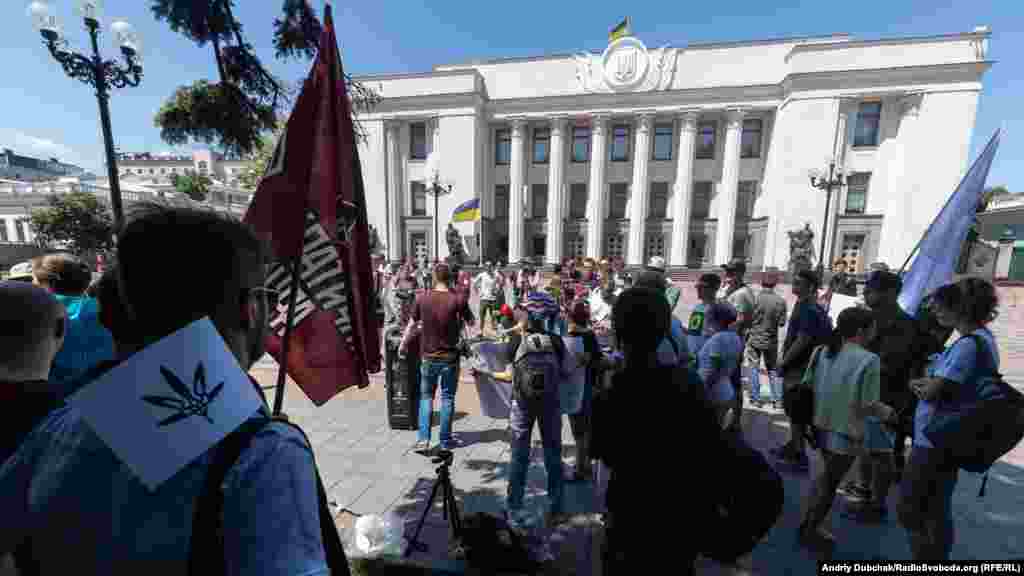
(810, 319)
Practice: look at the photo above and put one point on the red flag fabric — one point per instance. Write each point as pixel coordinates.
(311, 207)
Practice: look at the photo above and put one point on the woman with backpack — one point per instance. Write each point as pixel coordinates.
(930, 474)
(846, 381)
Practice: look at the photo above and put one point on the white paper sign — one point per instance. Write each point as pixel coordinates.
(169, 403)
(839, 303)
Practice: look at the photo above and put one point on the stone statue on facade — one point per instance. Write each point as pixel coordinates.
(455, 248)
(801, 249)
(376, 246)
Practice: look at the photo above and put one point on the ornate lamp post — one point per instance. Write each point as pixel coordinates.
(835, 180)
(95, 71)
(436, 189)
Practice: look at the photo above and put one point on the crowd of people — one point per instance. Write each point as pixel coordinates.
(645, 384)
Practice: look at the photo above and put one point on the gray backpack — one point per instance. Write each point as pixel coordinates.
(536, 365)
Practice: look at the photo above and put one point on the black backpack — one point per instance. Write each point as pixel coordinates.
(206, 549)
(533, 367)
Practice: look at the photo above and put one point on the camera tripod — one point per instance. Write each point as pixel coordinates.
(449, 509)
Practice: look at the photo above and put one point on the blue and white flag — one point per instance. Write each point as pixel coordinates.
(940, 246)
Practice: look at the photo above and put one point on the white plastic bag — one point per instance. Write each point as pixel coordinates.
(374, 536)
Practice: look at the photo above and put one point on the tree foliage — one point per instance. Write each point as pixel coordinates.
(235, 111)
(257, 160)
(77, 222)
(195, 186)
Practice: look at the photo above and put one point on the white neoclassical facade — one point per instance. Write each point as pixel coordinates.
(698, 154)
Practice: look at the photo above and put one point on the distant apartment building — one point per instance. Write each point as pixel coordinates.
(162, 167)
(27, 168)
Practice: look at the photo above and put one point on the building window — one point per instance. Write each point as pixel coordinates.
(869, 117)
(539, 194)
(539, 246)
(163, 170)
(578, 200)
(746, 193)
(575, 246)
(741, 245)
(614, 245)
(419, 198)
(502, 146)
(620, 196)
(152, 171)
(658, 206)
(3, 230)
(501, 201)
(502, 246)
(701, 200)
(418, 140)
(750, 141)
(541, 148)
(19, 230)
(662, 142)
(853, 252)
(698, 248)
(620, 144)
(655, 245)
(418, 246)
(580, 144)
(705, 141)
(857, 193)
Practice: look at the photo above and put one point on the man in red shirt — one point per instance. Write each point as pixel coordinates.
(439, 314)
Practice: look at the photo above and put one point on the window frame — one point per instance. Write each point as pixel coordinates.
(746, 199)
(542, 241)
(533, 201)
(659, 130)
(417, 188)
(3, 230)
(697, 240)
(877, 117)
(583, 214)
(626, 147)
(698, 152)
(756, 144)
(864, 194)
(546, 139)
(744, 237)
(663, 198)
(20, 231)
(613, 187)
(502, 140)
(501, 208)
(696, 194)
(413, 128)
(581, 133)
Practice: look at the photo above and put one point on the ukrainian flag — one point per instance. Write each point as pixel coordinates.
(620, 31)
(468, 211)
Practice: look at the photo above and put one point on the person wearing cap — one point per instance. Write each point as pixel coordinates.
(486, 286)
(697, 329)
(672, 292)
(903, 350)
(742, 298)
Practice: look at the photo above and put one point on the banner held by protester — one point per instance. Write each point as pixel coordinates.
(311, 207)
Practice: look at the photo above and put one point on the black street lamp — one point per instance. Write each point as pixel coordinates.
(95, 71)
(834, 180)
(436, 189)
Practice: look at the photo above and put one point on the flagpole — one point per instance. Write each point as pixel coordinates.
(948, 200)
(286, 339)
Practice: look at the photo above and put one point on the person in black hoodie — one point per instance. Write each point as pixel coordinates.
(647, 412)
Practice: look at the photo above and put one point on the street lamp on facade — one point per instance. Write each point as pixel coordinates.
(835, 180)
(95, 71)
(436, 188)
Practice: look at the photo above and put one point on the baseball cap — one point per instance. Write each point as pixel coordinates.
(883, 281)
(657, 264)
(21, 271)
(736, 266)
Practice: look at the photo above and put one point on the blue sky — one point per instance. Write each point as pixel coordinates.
(46, 113)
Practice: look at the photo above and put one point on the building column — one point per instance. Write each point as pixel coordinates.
(726, 228)
(639, 200)
(596, 199)
(838, 196)
(683, 189)
(515, 193)
(556, 192)
(396, 246)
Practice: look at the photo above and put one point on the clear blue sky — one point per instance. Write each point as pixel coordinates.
(44, 112)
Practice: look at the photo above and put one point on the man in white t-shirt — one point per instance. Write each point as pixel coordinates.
(486, 286)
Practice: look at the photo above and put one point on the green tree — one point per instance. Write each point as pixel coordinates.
(246, 101)
(257, 160)
(195, 186)
(77, 222)
(989, 194)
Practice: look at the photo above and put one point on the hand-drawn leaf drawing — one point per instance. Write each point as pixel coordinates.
(165, 402)
(172, 419)
(199, 381)
(176, 384)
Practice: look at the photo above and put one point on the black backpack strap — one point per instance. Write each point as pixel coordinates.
(206, 548)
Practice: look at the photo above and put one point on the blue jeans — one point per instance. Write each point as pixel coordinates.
(556, 325)
(430, 372)
(549, 419)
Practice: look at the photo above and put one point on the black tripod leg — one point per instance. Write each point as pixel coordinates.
(423, 518)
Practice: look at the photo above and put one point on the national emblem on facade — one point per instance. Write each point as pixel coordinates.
(626, 66)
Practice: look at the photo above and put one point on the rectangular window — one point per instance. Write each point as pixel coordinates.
(541, 148)
(578, 200)
(869, 117)
(698, 248)
(540, 200)
(750, 141)
(615, 245)
(419, 198)
(740, 245)
(501, 201)
(620, 196)
(502, 146)
(857, 193)
(418, 140)
(701, 200)
(539, 246)
(853, 252)
(3, 230)
(419, 248)
(746, 193)
(706, 141)
(620, 144)
(662, 142)
(581, 144)
(658, 205)
(655, 245)
(19, 229)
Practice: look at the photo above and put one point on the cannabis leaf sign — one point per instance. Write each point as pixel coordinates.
(194, 402)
